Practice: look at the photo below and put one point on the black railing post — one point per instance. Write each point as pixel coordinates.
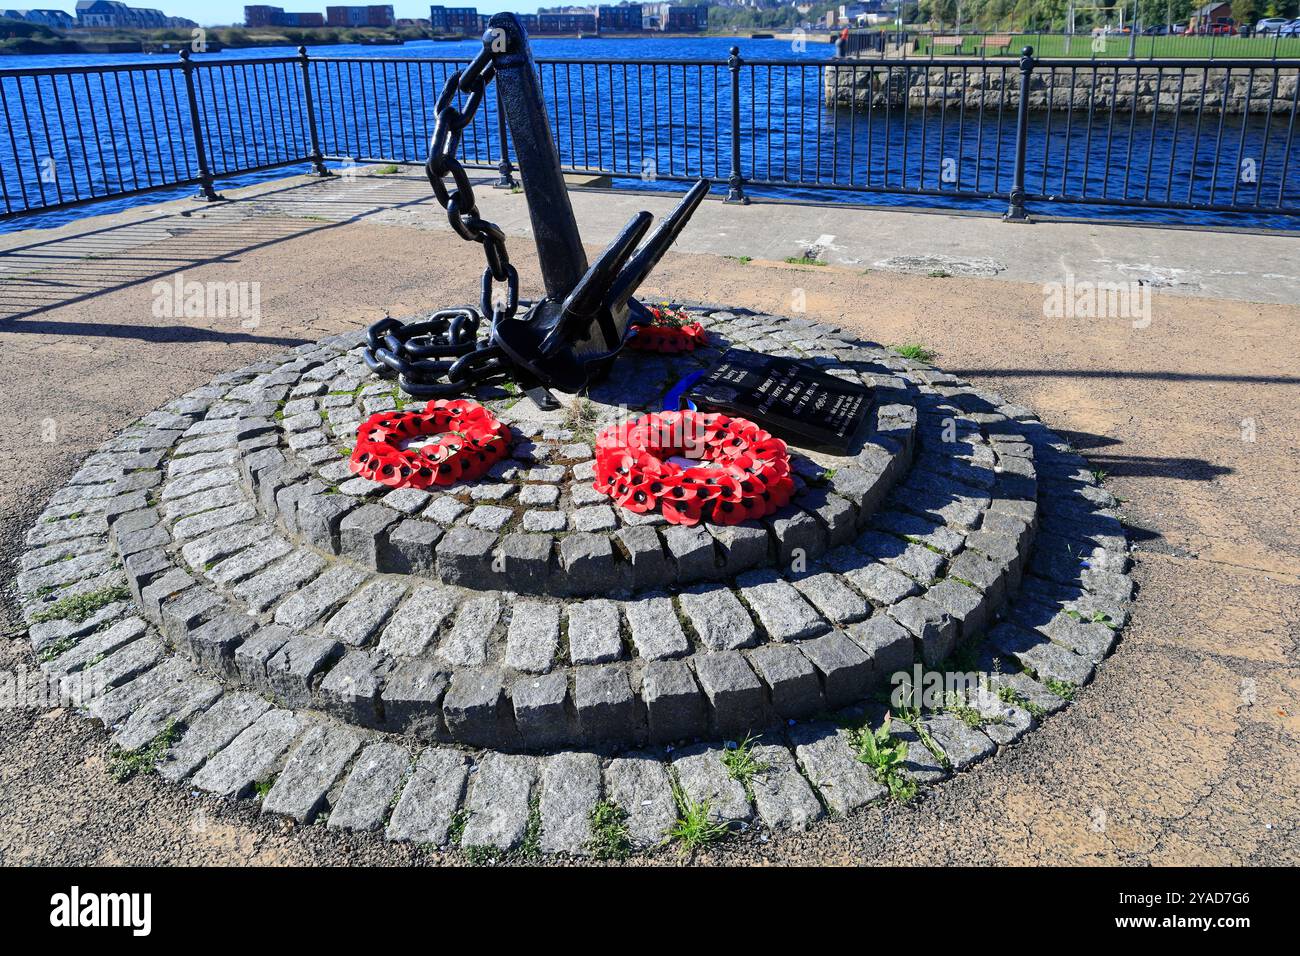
(317, 160)
(506, 179)
(735, 182)
(1016, 208)
(196, 125)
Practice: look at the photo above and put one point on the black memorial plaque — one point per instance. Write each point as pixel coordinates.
(791, 399)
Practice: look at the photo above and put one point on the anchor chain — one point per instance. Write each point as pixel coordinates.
(421, 354)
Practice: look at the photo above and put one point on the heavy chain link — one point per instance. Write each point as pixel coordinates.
(462, 209)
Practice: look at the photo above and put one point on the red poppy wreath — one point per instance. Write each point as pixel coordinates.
(669, 331)
(450, 441)
(694, 466)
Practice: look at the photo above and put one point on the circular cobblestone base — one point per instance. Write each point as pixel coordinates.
(474, 664)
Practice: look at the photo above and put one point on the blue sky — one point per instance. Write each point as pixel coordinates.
(228, 11)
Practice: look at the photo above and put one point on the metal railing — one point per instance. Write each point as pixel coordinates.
(1158, 134)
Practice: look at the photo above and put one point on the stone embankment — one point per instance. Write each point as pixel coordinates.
(870, 84)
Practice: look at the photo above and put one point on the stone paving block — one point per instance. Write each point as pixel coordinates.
(500, 801)
(474, 706)
(171, 583)
(1029, 690)
(588, 563)
(650, 564)
(543, 716)
(296, 669)
(214, 520)
(372, 785)
(836, 601)
(412, 699)
(961, 744)
(1089, 639)
(675, 707)
(793, 687)
(844, 668)
(594, 632)
(704, 778)
(408, 548)
(692, 552)
(933, 628)
(117, 704)
(413, 625)
(213, 644)
(639, 784)
(252, 655)
(887, 644)
(313, 766)
(545, 521)
(466, 644)
(982, 572)
(358, 621)
(780, 609)
(570, 790)
(464, 557)
(186, 610)
(735, 695)
(799, 538)
(782, 796)
(351, 688)
(920, 764)
(525, 561)
(207, 551)
(882, 584)
(316, 600)
(607, 709)
(533, 637)
(740, 547)
(244, 563)
(717, 617)
(44, 634)
(363, 532)
(122, 665)
(320, 519)
(656, 632)
(96, 645)
(1004, 722)
(967, 606)
(253, 756)
(429, 801)
(267, 587)
(1040, 655)
(177, 701)
(835, 515)
(830, 764)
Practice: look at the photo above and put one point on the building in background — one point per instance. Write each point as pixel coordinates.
(57, 19)
(455, 19)
(371, 16)
(264, 16)
(624, 18)
(110, 14)
(667, 18)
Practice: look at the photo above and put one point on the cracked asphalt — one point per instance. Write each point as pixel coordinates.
(1183, 750)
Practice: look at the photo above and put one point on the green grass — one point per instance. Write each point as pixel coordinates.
(1116, 47)
(1008, 695)
(609, 834)
(742, 765)
(741, 259)
(78, 607)
(804, 261)
(386, 170)
(125, 764)
(484, 855)
(1099, 476)
(693, 828)
(915, 352)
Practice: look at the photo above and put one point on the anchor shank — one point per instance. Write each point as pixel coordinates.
(555, 231)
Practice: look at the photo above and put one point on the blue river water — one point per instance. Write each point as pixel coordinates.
(655, 126)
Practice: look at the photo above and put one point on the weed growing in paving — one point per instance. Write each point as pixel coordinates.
(884, 754)
(609, 834)
(1009, 695)
(78, 607)
(386, 170)
(804, 261)
(1061, 688)
(917, 353)
(263, 787)
(694, 828)
(742, 765)
(125, 764)
(484, 855)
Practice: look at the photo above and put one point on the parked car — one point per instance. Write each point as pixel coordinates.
(1292, 29)
(1159, 30)
(1271, 25)
(1219, 27)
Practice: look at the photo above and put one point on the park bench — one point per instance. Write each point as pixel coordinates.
(1000, 40)
(954, 43)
